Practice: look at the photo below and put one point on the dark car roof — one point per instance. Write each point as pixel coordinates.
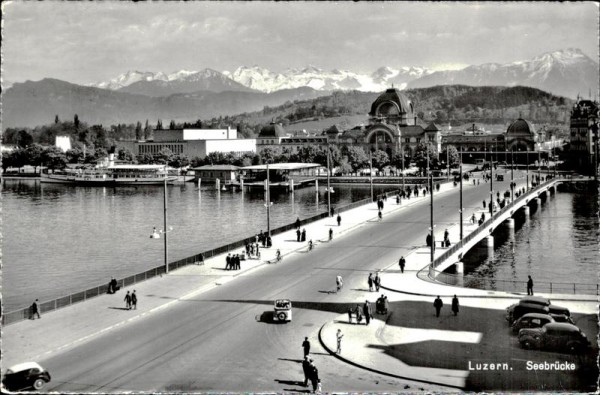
(562, 326)
(533, 306)
(535, 299)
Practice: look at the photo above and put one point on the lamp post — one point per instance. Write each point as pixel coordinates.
(461, 196)
(268, 204)
(447, 164)
(402, 155)
(371, 173)
(328, 185)
(156, 233)
(430, 176)
(512, 175)
(527, 169)
(491, 189)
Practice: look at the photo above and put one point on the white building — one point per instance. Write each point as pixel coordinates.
(63, 142)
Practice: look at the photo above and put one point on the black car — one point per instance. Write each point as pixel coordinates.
(555, 337)
(536, 304)
(25, 376)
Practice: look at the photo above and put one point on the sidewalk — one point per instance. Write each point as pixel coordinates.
(32, 340)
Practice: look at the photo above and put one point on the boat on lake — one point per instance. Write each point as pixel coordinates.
(111, 175)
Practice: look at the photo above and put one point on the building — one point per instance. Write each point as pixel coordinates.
(192, 142)
(63, 142)
(584, 133)
(210, 173)
(392, 126)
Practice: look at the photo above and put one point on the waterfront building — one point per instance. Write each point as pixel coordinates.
(210, 173)
(584, 133)
(191, 142)
(392, 126)
(63, 142)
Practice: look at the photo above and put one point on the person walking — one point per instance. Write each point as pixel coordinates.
(367, 312)
(303, 235)
(134, 300)
(330, 234)
(402, 263)
(350, 312)
(339, 282)
(473, 218)
(228, 262)
(297, 223)
(298, 234)
(306, 347)
(332, 212)
(314, 376)
(530, 286)
(484, 203)
(380, 215)
(377, 282)
(370, 282)
(359, 314)
(437, 303)
(35, 310)
(339, 220)
(128, 301)
(306, 368)
(455, 305)
(339, 336)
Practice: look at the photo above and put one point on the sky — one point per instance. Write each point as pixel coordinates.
(85, 42)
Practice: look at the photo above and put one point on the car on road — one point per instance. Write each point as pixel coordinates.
(25, 376)
(531, 320)
(536, 304)
(555, 336)
(282, 310)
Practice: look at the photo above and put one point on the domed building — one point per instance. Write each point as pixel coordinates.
(521, 136)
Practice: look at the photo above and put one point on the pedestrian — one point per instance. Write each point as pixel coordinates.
(380, 215)
(437, 303)
(367, 312)
(303, 236)
(201, 259)
(306, 347)
(298, 234)
(228, 262)
(402, 263)
(446, 235)
(35, 310)
(473, 218)
(298, 223)
(455, 305)
(377, 282)
(339, 282)
(339, 220)
(332, 212)
(370, 282)
(484, 204)
(339, 336)
(359, 316)
(428, 239)
(314, 376)
(330, 233)
(134, 300)
(127, 301)
(112, 286)
(237, 262)
(247, 248)
(530, 286)
(350, 312)
(306, 368)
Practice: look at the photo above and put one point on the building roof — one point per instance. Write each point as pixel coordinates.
(272, 130)
(136, 167)
(432, 127)
(217, 167)
(333, 130)
(520, 127)
(282, 166)
(411, 130)
(392, 96)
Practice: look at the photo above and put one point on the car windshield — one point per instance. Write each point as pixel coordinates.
(282, 305)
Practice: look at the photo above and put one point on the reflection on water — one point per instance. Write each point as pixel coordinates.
(558, 244)
(59, 239)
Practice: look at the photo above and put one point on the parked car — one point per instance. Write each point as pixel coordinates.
(555, 336)
(537, 304)
(25, 376)
(531, 320)
(282, 310)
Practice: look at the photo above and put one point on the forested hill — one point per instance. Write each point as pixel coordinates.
(456, 104)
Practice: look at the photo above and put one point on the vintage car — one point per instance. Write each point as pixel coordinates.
(531, 320)
(536, 304)
(25, 376)
(555, 336)
(282, 310)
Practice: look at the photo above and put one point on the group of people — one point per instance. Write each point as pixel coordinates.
(233, 262)
(264, 239)
(359, 312)
(374, 282)
(112, 286)
(300, 235)
(131, 300)
(382, 305)
(252, 250)
(311, 373)
(438, 304)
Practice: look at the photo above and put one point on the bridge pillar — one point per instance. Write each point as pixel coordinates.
(316, 184)
(242, 184)
(459, 267)
(218, 184)
(526, 211)
(292, 185)
(538, 202)
(199, 183)
(510, 223)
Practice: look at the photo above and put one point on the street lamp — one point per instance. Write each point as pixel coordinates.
(461, 196)
(371, 173)
(512, 176)
(430, 176)
(328, 185)
(268, 204)
(156, 233)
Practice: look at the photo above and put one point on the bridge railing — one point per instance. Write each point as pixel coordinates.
(469, 281)
(452, 250)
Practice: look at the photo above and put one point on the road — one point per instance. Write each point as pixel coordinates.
(217, 341)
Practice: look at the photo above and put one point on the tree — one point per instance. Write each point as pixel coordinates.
(423, 152)
(357, 157)
(146, 131)
(74, 155)
(345, 167)
(126, 155)
(145, 159)
(23, 138)
(159, 125)
(179, 160)
(138, 131)
(172, 125)
(164, 156)
(380, 159)
(452, 154)
(53, 158)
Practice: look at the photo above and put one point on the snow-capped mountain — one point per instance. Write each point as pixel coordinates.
(566, 72)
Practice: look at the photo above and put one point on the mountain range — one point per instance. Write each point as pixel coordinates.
(566, 72)
(190, 95)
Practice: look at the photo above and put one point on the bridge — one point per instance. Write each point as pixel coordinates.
(483, 233)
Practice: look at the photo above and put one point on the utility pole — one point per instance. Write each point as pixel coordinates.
(268, 203)
(430, 176)
(328, 184)
(512, 175)
(371, 173)
(165, 223)
(461, 196)
(491, 188)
